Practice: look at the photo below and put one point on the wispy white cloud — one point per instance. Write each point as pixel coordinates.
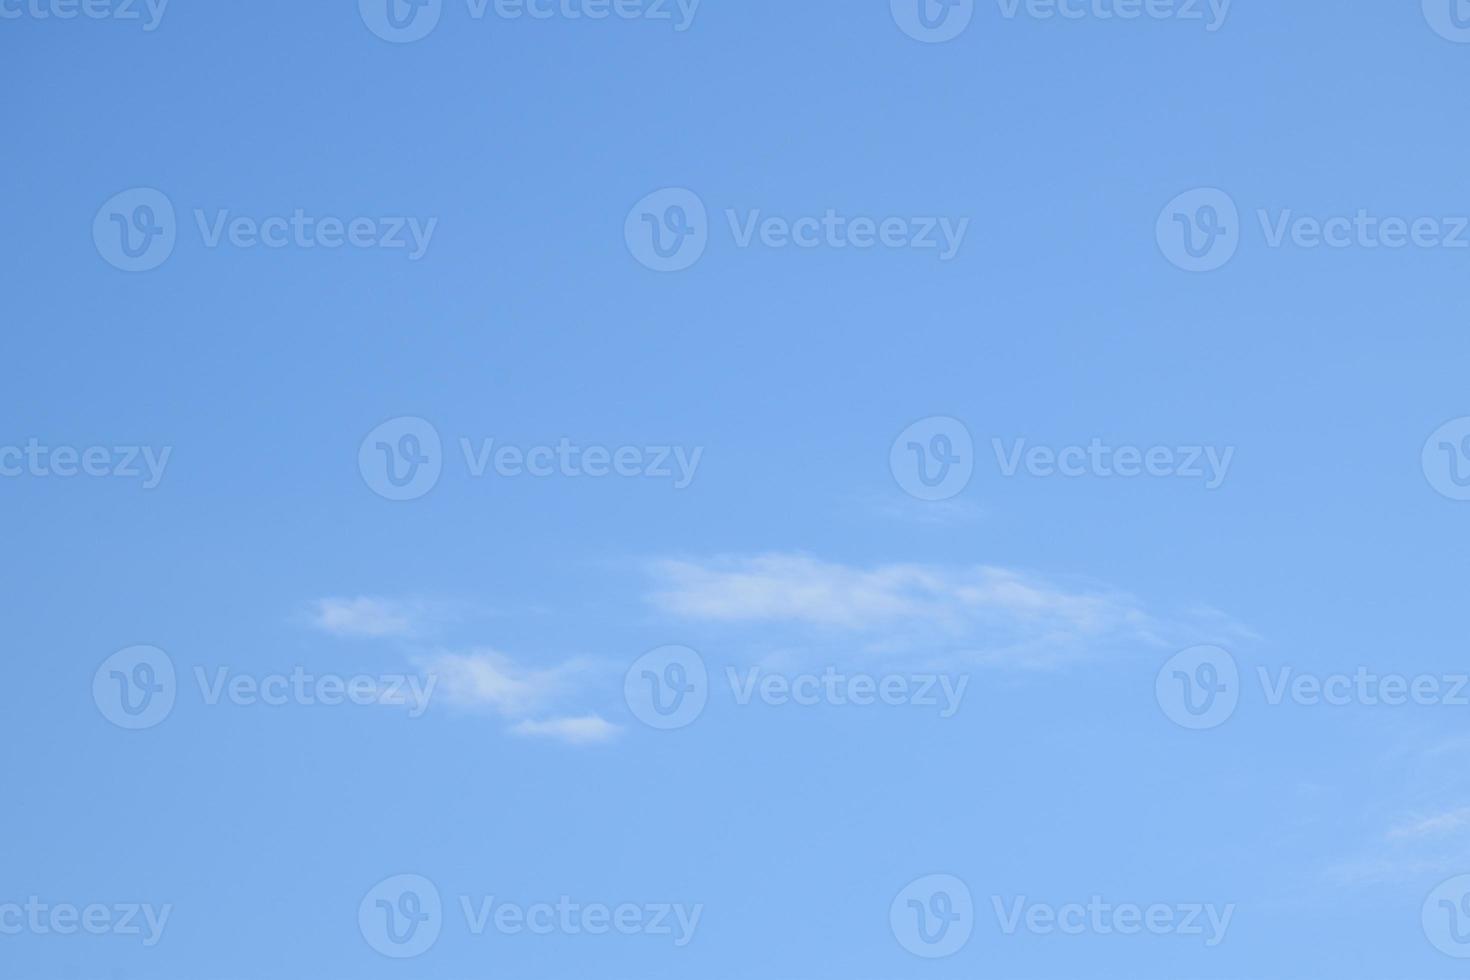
(1418, 801)
(982, 613)
(584, 730)
(1437, 825)
(478, 679)
(1436, 845)
(367, 616)
(489, 680)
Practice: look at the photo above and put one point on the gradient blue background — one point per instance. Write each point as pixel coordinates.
(529, 321)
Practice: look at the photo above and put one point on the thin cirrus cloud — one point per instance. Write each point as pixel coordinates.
(1438, 825)
(1432, 845)
(367, 616)
(1432, 838)
(581, 730)
(487, 680)
(480, 680)
(981, 613)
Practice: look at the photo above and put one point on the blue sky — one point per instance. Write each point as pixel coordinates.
(775, 479)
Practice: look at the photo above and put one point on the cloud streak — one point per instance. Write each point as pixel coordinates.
(1431, 835)
(366, 616)
(486, 680)
(490, 680)
(584, 730)
(981, 613)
